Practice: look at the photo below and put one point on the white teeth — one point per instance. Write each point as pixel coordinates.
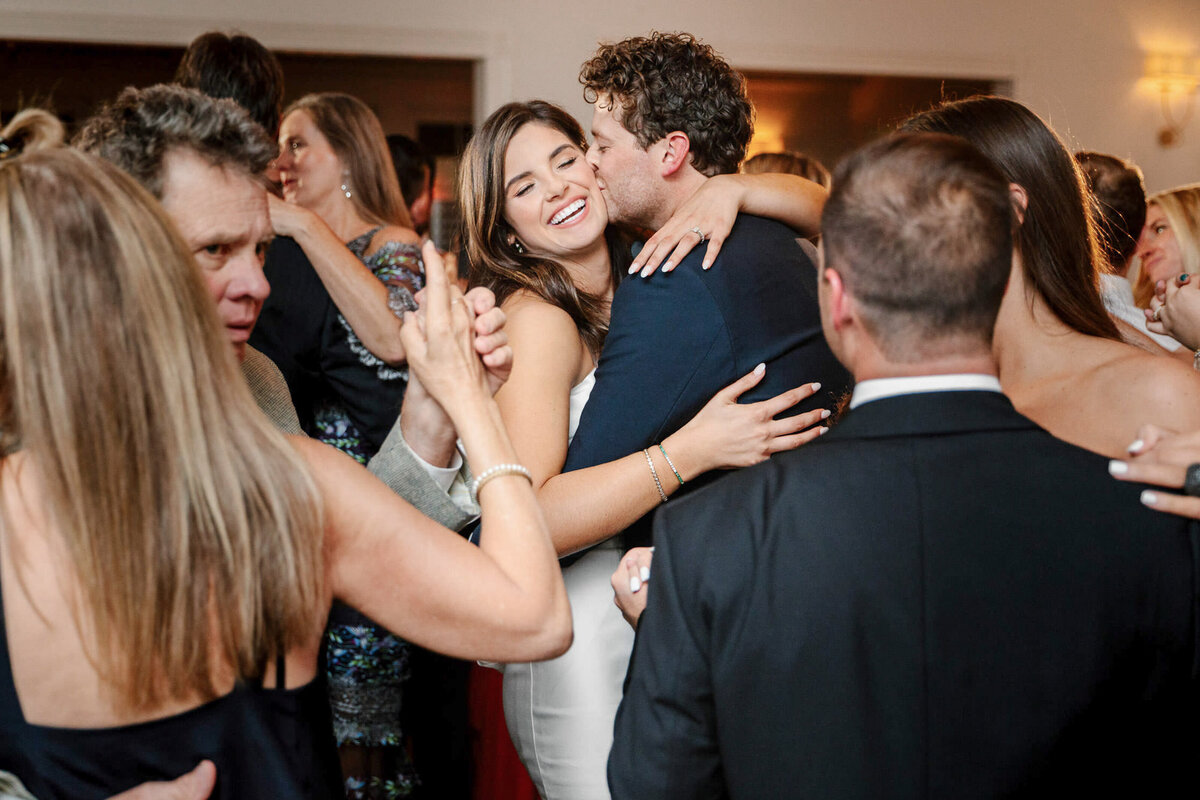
(569, 211)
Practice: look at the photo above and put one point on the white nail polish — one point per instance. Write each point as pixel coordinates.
(760, 369)
(635, 583)
(1138, 444)
(825, 413)
(1150, 498)
(645, 574)
(824, 430)
(816, 387)
(646, 272)
(634, 268)
(1117, 467)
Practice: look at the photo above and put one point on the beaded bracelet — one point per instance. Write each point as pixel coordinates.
(671, 464)
(654, 474)
(497, 471)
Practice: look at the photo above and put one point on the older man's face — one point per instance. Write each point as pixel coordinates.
(224, 219)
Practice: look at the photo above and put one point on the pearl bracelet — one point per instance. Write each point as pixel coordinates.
(497, 471)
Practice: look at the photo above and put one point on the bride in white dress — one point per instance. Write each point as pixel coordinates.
(538, 236)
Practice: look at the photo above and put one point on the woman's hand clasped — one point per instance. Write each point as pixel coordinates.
(1175, 310)
(728, 434)
(440, 337)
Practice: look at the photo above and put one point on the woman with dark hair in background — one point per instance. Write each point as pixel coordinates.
(167, 557)
(1062, 361)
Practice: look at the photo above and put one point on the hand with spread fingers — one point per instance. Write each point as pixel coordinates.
(1167, 459)
(707, 217)
(727, 434)
(1175, 310)
(631, 583)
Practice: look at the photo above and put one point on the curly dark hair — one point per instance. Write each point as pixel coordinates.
(672, 82)
(139, 128)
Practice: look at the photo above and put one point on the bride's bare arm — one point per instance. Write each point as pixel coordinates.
(586, 506)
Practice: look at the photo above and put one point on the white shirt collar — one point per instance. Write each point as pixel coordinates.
(879, 388)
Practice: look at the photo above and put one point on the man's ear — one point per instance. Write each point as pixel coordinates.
(1020, 201)
(676, 146)
(839, 301)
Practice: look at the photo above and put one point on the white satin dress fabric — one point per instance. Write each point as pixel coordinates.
(560, 712)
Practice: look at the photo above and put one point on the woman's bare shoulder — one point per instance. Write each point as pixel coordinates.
(1160, 389)
(393, 233)
(528, 310)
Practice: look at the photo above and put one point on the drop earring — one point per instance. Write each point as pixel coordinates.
(520, 248)
(345, 188)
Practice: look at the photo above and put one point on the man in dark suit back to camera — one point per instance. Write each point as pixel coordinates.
(670, 114)
(937, 599)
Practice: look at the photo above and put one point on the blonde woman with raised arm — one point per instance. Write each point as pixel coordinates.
(167, 558)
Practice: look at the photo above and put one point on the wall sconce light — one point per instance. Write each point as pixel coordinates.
(1175, 76)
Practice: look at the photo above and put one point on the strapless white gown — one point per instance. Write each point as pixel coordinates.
(560, 713)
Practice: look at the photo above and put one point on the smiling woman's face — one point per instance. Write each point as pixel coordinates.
(551, 199)
(1158, 248)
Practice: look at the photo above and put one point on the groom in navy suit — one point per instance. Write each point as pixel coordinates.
(670, 114)
(936, 600)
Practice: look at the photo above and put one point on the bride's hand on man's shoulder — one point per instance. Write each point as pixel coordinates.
(706, 218)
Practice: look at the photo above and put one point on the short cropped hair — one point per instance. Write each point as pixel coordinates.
(412, 165)
(138, 129)
(1118, 195)
(672, 82)
(235, 66)
(920, 228)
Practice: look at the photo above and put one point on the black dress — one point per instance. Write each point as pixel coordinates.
(264, 742)
(344, 395)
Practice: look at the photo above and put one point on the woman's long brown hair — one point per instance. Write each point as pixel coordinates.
(1057, 239)
(495, 263)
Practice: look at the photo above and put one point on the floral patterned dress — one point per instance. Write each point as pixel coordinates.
(398, 266)
(365, 664)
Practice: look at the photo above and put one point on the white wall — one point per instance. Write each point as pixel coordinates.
(1076, 62)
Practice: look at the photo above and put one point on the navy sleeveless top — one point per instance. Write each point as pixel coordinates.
(266, 743)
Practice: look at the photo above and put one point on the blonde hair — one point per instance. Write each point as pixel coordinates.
(1181, 207)
(192, 526)
(356, 137)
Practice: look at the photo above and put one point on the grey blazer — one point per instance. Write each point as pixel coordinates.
(395, 464)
